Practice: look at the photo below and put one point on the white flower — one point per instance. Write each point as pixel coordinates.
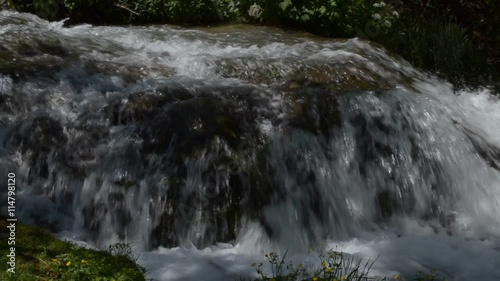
(376, 5)
(255, 11)
(396, 14)
(387, 23)
(382, 4)
(376, 16)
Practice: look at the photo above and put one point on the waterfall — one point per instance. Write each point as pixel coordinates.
(244, 140)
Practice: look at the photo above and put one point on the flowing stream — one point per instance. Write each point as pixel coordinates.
(206, 148)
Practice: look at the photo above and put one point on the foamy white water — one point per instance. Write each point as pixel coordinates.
(209, 148)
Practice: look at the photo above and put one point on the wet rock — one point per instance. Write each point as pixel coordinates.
(37, 140)
(202, 139)
(315, 109)
(137, 108)
(225, 137)
(208, 118)
(335, 77)
(489, 152)
(11, 106)
(39, 46)
(386, 203)
(296, 74)
(143, 106)
(80, 154)
(40, 134)
(211, 214)
(129, 73)
(37, 66)
(190, 121)
(40, 56)
(46, 133)
(252, 70)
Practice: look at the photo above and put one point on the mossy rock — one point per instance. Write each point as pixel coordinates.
(129, 73)
(40, 256)
(41, 56)
(256, 71)
(295, 74)
(138, 107)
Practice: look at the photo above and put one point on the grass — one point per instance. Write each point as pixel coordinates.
(40, 256)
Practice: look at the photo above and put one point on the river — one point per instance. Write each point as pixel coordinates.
(207, 147)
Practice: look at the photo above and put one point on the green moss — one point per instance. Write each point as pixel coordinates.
(40, 256)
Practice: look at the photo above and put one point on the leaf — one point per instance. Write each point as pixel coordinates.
(311, 12)
(322, 10)
(285, 4)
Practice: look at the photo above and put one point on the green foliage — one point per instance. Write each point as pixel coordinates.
(443, 47)
(92, 11)
(384, 16)
(335, 266)
(143, 11)
(338, 18)
(48, 9)
(278, 270)
(6, 4)
(489, 21)
(333, 16)
(480, 18)
(40, 256)
(228, 10)
(20, 5)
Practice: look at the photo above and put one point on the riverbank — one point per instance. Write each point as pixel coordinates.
(457, 41)
(38, 255)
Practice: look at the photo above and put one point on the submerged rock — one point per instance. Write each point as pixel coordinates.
(315, 109)
(39, 134)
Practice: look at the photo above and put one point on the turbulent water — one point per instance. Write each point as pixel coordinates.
(206, 148)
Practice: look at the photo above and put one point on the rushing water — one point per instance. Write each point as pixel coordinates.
(208, 147)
